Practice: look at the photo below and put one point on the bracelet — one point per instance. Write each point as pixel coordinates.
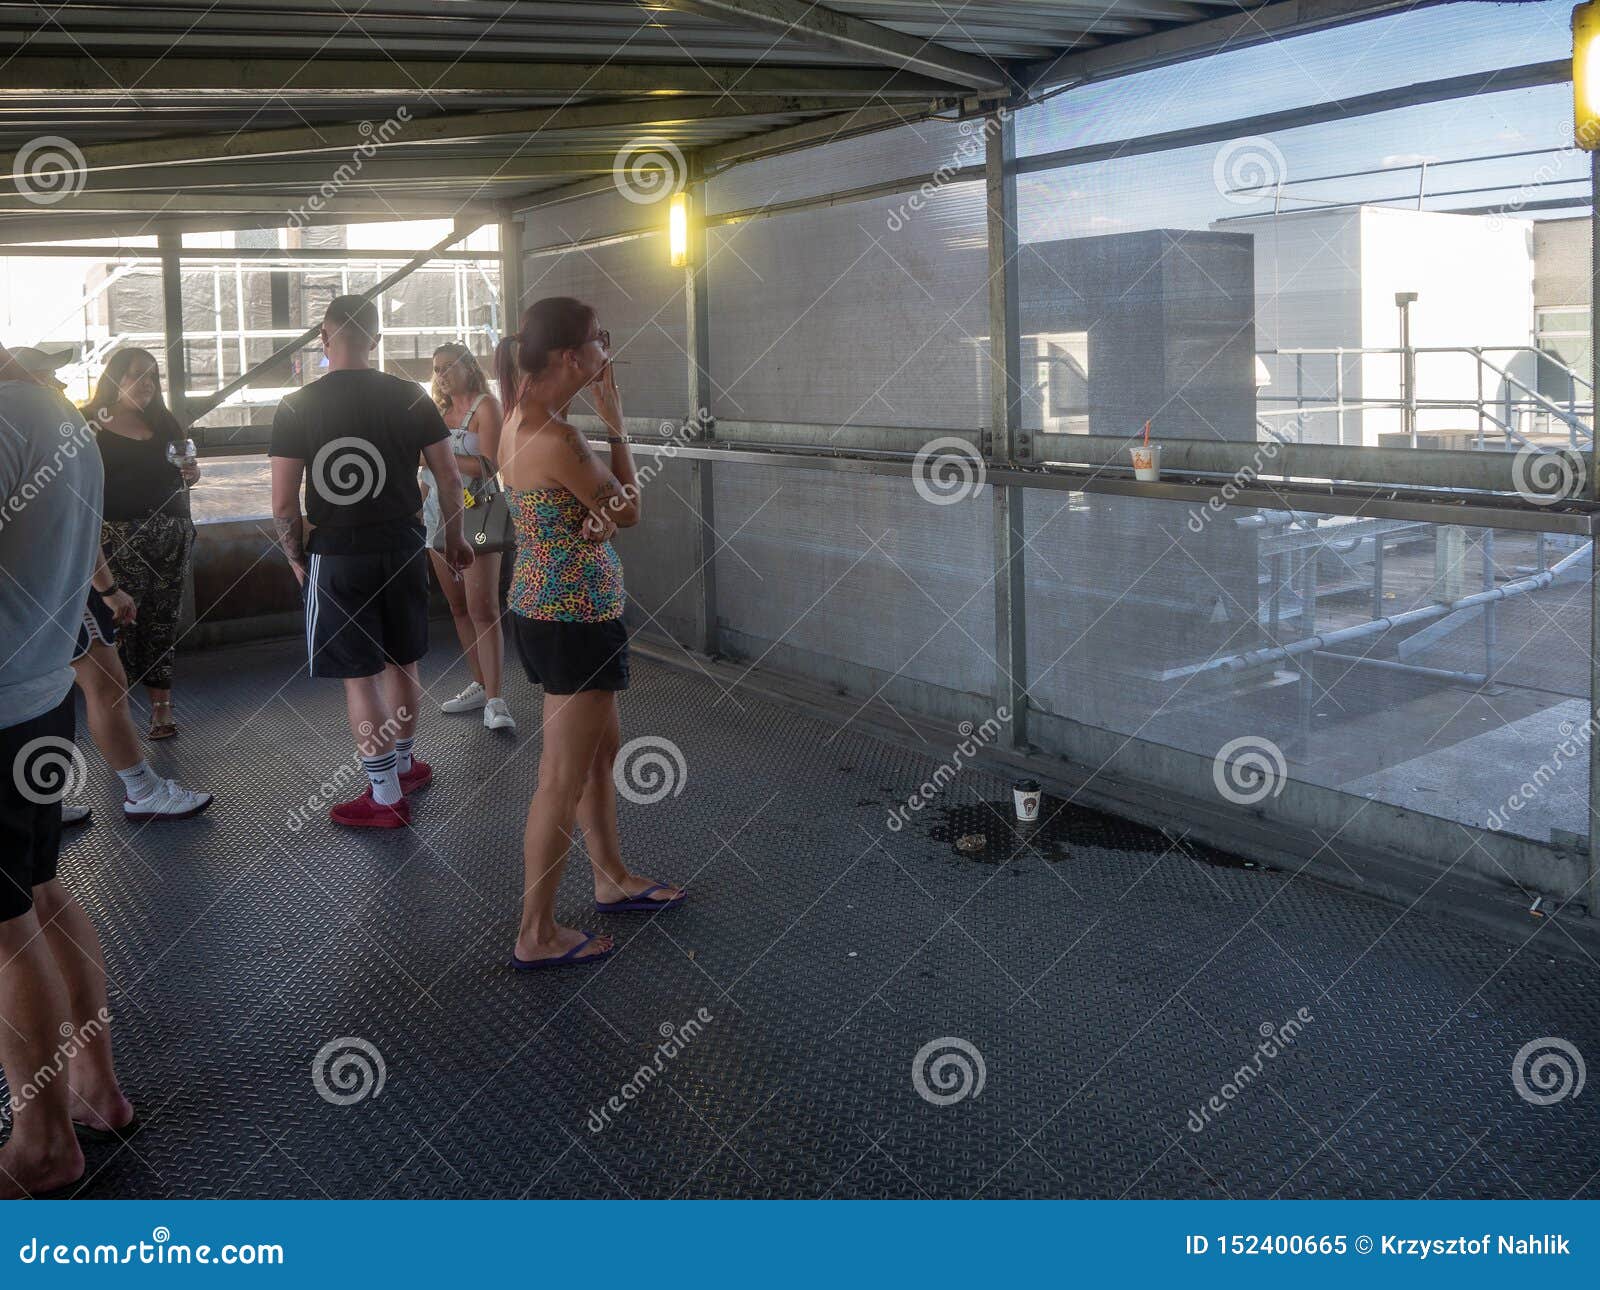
(618, 438)
(109, 591)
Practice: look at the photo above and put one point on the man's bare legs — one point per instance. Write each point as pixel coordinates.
(597, 816)
(43, 1153)
(383, 708)
(574, 725)
(105, 692)
(96, 1096)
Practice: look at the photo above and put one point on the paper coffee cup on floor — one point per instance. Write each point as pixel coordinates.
(1146, 461)
(1025, 793)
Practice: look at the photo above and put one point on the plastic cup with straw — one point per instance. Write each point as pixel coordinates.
(1146, 458)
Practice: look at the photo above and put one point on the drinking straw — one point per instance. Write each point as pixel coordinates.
(1146, 434)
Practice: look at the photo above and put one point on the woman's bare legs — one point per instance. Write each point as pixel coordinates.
(597, 816)
(456, 594)
(574, 725)
(482, 596)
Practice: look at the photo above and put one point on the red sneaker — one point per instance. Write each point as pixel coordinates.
(365, 813)
(418, 777)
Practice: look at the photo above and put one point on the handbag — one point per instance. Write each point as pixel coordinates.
(485, 514)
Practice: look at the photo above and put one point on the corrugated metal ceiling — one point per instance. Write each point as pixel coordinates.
(173, 104)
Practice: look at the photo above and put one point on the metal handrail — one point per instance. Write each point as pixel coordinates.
(1517, 399)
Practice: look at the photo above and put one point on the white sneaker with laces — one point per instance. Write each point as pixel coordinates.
(496, 716)
(73, 813)
(469, 700)
(169, 801)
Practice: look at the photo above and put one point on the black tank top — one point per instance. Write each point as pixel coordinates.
(140, 481)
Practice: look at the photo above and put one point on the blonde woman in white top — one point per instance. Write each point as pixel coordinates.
(473, 416)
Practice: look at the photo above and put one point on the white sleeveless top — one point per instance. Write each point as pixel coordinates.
(464, 442)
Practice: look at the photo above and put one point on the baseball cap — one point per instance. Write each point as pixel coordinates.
(41, 362)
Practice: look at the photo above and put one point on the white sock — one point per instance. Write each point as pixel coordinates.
(139, 781)
(402, 752)
(385, 779)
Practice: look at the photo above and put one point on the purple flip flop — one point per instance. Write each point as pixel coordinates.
(640, 904)
(569, 959)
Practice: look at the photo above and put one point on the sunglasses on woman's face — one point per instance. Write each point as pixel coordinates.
(603, 339)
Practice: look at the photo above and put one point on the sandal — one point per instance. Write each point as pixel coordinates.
(160, 729)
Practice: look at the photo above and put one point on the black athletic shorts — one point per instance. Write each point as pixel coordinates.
(568, 658)
(363, 611)
(35, 759)
(98, 625)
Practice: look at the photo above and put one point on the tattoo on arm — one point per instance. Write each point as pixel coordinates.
(289, 538)
(578, 444)
(606, 493)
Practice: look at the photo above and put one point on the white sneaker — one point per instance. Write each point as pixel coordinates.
(170, 801)
(469, 700)
(496, 716)
(71, 814)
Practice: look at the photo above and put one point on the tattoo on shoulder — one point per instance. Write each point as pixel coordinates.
(579, 445)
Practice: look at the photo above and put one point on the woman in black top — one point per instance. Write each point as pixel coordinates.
(147, 533)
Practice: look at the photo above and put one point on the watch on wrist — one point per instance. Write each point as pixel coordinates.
(618, 438)
(109, 591)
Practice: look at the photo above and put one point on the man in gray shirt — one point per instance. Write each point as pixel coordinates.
(55, 1039)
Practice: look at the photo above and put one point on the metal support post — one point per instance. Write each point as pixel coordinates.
(699, 424)
(1007, 444)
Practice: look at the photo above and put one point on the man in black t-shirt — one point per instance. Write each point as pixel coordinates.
(354, 437)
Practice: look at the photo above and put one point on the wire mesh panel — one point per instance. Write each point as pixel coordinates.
(640, 300)
(1339, 64)
(874, 313)
(660, 558)
(857, 580)
(1231, 632)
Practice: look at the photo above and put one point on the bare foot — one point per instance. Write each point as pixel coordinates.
(106, 1114)
(607, 892)
(564, 941)
(23, 1176)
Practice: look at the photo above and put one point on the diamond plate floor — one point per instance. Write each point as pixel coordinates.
(1110, 993)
